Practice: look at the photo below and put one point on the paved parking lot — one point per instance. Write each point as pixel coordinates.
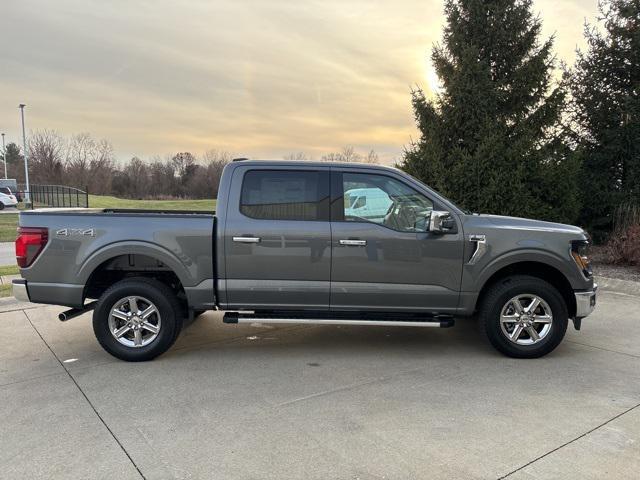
(305, 402)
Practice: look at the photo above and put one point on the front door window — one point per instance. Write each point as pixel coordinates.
(386, 201)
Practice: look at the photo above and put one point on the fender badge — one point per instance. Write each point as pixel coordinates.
(84, 232)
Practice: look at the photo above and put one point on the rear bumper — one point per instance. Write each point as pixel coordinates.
(586, 302)
(65, 294)
(20, 291)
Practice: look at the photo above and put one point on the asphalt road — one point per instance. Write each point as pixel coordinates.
(7, 253)
(305, 402)
(9, 210)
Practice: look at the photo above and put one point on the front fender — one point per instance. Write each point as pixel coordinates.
(475, 276)
(138, 248)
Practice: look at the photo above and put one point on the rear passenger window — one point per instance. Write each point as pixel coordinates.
(285, 195)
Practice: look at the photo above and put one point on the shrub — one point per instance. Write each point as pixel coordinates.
(626, 215)
(623, 246)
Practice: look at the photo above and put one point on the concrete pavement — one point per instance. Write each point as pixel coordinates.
(305, 402)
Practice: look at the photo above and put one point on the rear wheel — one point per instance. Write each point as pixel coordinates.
(137, 319)
(524, 317)
(1, 206)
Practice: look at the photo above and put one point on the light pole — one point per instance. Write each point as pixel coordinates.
(26, 160)
(4, 157)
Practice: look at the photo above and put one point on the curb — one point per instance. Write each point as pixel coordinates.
(617, 285)
(9, 304)
(6, 279)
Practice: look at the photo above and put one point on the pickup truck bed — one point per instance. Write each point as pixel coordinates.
(88, 244)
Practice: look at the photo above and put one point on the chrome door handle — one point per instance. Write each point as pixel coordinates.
(246, 239)
(353, 243)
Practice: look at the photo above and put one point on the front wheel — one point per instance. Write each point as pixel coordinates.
(137, 319)
(524, 317)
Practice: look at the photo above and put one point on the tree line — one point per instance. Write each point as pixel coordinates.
(84, 162)
(514, 132)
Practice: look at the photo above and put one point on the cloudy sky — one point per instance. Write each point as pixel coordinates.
(259, 78)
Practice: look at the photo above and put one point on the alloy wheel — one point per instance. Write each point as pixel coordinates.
(134, 321)
(526, 319)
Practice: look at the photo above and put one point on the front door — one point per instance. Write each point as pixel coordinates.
(383, 258)
(278, 252)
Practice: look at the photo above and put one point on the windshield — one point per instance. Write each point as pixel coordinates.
(463, 210)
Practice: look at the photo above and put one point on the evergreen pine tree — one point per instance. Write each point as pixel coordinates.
(492, 140)
(14, 155)
(605, 86)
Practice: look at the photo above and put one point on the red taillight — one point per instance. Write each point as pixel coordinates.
(29, 244)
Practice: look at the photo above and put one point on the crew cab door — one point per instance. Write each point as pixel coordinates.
(277, 238)
(388, 261)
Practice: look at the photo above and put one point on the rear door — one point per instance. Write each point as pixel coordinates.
(278, 238)
(384, 258)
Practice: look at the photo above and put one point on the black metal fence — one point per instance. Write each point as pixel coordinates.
(55, 196)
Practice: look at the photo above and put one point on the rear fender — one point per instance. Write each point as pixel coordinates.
(136, 248)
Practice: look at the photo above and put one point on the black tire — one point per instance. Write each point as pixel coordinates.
(497, 297)
(1, 206)
(164, 300)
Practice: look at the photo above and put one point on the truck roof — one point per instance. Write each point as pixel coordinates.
(314, 163)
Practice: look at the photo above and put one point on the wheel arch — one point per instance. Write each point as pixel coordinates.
(96, 275)
(112, 251)
(535, 268)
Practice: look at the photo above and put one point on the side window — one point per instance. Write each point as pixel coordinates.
(386, 201)
(284, 195)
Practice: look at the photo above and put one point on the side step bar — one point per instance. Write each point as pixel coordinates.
(436, 321)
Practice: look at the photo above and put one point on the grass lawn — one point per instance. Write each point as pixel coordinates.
(9, 221)
(9, 270)
(6, 290)
(100, 201)
(8, 225)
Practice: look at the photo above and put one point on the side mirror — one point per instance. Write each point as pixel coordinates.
(441, 222)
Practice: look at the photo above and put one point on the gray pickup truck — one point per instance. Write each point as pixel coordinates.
(309, 243)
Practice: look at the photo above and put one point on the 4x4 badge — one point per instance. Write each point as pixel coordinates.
(66, 232)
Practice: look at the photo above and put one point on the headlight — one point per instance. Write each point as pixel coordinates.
(580, 255)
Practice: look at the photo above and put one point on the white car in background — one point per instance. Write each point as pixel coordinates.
(7, 200)
(368, 203)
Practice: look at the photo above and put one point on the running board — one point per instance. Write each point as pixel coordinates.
(436, 321)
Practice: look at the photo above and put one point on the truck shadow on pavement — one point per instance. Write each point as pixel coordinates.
(208, 334)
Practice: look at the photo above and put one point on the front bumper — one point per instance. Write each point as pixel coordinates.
(586, 302)
(20, 290)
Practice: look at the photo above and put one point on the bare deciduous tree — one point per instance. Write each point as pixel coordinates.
(89, 163)
(349, 154)
(296, 156)
(46, 155)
